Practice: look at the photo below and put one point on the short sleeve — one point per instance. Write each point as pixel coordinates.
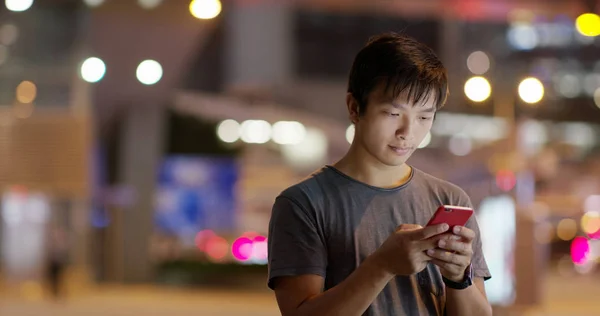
(480, 267)
(296, 244)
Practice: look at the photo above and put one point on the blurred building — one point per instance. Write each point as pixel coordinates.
(152, 134)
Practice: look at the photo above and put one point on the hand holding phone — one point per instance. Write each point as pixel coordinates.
(451, 215)
(455, 250)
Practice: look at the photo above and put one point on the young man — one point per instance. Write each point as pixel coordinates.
(349, 240)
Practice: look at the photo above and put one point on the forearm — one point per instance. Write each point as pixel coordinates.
(467, 302)
(352, 296)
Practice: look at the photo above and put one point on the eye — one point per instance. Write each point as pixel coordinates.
(391, 114)
(425, 118)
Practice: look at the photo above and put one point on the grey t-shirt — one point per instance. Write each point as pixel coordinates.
(329, 223)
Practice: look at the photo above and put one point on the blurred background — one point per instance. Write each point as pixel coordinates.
(142, 143)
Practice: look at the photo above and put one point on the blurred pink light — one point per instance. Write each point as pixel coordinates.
(202, 237)
(580, 250)
(241, 249)
(595, 235)
(259, 239)
(506, 180)
(216, 247)
(260, 248)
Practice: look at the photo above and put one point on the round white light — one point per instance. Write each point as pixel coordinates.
(531, 90)
(149, 72)
(205, 9)
(288, 133)
(93, 3)
(229, 131)
(92, 69)
(149, 4)
(255, 131)
(18, 5)
(478, 89)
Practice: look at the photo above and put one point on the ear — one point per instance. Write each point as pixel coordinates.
(353, 108)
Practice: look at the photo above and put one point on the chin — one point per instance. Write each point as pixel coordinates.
(394, 161)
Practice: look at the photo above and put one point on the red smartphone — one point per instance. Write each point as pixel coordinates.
(451, 215)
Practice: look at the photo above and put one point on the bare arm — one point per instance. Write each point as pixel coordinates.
(401, 254)
(302, 295)
(467, 302)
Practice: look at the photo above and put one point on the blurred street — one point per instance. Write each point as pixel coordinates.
(575, 296)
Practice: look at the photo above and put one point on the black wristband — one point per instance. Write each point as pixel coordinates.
(465, 283)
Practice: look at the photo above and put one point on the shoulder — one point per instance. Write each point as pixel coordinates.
(448, 191)
(307, 194)
(308, 189)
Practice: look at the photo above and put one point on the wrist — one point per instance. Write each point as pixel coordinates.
(455, 278)
(459, 282)
(376, 266)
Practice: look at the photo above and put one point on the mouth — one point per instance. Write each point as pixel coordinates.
(401, 150)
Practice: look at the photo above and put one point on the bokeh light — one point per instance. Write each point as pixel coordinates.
(251, 248)
(149, 72)
(229, 131)
(478, 89)
(590, 224)
(93, 3)
(566, 229)
(505, 180)
(478, 63)
(531, 90)
(149, 4)
(241, 248)
(26, 92)
(523, 37)
(18, 5)
(580, 250)
(92, 69)
(202, 237)
(288, 132)
(255, 131)
(205, 9)
(216, 248)
(588, 24)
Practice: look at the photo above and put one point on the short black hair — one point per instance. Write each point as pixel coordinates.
(402, 64)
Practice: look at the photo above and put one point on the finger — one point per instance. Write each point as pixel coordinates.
(446, 256)
(445, 236)
(461, 247)
(430, 231)
(405, 227)
(466, 233)
(448, 267)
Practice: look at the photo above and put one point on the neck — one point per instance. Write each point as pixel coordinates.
(362, 166)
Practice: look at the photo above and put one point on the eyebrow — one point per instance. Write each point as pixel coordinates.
(425, 110)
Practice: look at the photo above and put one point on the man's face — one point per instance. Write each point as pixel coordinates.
(391, 129)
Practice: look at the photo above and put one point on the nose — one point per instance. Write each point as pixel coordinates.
(404, 129)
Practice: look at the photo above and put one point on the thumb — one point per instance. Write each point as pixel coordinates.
(408, 227)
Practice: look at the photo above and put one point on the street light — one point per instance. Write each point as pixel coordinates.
(531, 90)
(205, 9)
(588, 24)
(478, 89)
